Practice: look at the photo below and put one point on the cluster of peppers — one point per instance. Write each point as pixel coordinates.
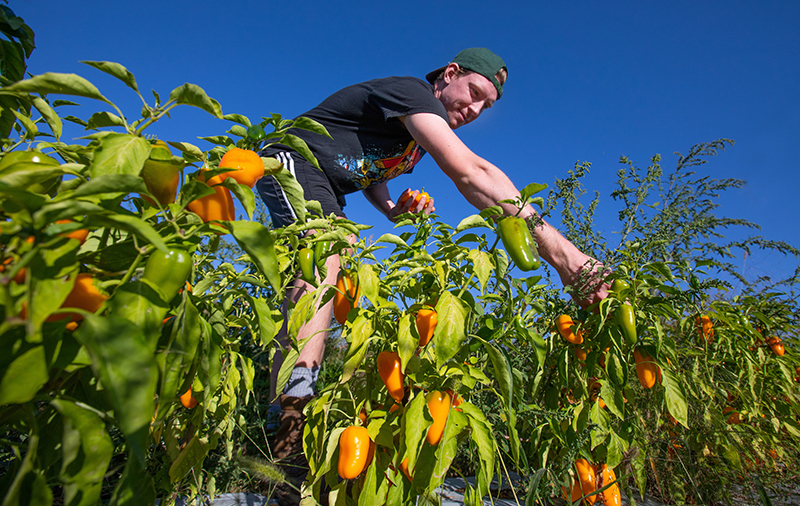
(356, 448)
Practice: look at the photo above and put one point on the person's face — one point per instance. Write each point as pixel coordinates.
(465, 97)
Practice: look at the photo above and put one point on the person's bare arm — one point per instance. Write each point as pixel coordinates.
(484, 185)
(379, 197)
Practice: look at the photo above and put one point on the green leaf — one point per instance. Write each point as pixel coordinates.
(119, 154)
(30, 127)
(391, 239)
(238, 118)
(639, 464)
(191, 94)
(502, 263)
(299, 145)
(303, 311)
(359, 339)
(293, 191)
(414, 425)
(271, 165)
(532, 189)
(58, 270)
(289, 360)
(447, 448)
(87, 450)
(311, 125)
(243, 193)
(134, 225)
(141, 303)
(116, 70)
(104, 119)
(111, 183)
(177, 357)
(368, 282)
(238, 131)
(191, 457)
(491, 211)
(616, 369)
(616, 450)
(125, 365)
(407, 341)
(352, 361)
(29, 486)
(49, 115)
(502, 373)
(27, 174)
(473, 221)
(54, 83)
(482, 266)
(23, 367)
(267, 330)
(13, 58)
(675, 397)
(220, 140)
(481, 436)
(450, 329)
(613, 398)
(135, 487)
(256, 240)
(192, 151)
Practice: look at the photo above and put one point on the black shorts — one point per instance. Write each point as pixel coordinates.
(315, 183)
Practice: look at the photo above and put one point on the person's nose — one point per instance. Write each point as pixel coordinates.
(474, 110)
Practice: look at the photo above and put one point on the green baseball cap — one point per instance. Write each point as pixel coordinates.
(479, 60)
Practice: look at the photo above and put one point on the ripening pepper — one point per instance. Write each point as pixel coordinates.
(611, 495)
(705, 328)
(160, 175)
(518, 242)
(320, 249)
(564, 324)
(216, 207)
(346, 298)
(405, 470)
(305, 257)
(256, 133)
(584, 484)
(776, 345)
(624, 314)
(168, 270)
(389, 370)
(439, 407)
(626, 319)
(426, 325)
(354, 445)
(646, 368)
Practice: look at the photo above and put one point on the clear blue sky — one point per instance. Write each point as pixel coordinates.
(588, 81)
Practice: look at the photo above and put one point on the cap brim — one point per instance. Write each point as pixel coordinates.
(431, 76)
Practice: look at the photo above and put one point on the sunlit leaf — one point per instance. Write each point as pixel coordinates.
(191, 94)
(116, 70)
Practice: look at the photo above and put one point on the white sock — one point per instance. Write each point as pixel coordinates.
(302, 382)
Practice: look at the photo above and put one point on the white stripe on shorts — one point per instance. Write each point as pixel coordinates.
(288, 162)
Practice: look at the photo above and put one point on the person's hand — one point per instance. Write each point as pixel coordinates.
(412, 202)
(588, 286)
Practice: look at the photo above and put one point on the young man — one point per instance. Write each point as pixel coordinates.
(380, 129)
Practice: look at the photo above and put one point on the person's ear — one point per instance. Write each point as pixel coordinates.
(450, 72)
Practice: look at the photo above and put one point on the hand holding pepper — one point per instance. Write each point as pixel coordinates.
(414, 202)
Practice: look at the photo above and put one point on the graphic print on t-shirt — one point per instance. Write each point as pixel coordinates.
(371, 171)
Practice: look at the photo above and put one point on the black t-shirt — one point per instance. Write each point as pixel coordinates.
(369, 144)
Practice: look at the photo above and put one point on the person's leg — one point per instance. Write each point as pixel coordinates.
(287, 445)
(301, 385)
